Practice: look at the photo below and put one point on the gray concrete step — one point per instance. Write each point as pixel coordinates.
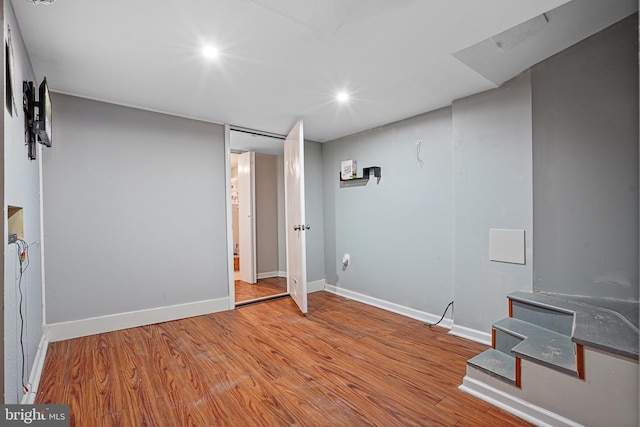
(496, 364)
(587, 321)
(541, 345)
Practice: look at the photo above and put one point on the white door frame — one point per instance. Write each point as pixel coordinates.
(227, 149)
(227, 192)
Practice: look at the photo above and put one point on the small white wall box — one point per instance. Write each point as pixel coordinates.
(507, 246)
(348, 169)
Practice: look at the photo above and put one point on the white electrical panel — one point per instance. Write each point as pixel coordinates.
(507, 246)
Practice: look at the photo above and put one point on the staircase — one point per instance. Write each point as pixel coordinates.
(553, 331)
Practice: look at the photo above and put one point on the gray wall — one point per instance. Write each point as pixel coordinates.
(493, 189)
(21, 188)
(399, 232)
(134, 211)
(313, 199)
(420, 238)
(557, 145)
(585, 146)
(282, 240)
(266, 213)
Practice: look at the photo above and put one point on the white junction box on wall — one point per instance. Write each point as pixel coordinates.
(348, 169)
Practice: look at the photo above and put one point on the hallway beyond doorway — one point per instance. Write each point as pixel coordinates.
(262, 288)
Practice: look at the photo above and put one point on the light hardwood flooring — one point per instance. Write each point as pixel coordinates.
(345, 364)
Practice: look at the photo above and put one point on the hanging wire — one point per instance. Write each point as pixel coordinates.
(443, 314)
(418, 148)
(23, 261)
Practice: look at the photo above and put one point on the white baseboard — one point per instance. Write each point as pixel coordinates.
(36, 372)
(316, 286)
(471, 334)
(389, 306)
(268, 275)
(460, 331)
(518, 407)
(96, 325)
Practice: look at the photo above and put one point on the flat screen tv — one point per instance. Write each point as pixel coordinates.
(42, 126)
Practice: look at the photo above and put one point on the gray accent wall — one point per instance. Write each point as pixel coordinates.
(493, 189)
(420, 238)
(399, 232)
(553, 152)
(21, 189)
(134, 211)
(585, 157)
(282, 240)
(313, 199)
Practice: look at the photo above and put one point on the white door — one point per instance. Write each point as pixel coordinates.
(247, 216)
(294, 216)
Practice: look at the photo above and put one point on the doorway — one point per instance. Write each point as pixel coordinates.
(257, 212)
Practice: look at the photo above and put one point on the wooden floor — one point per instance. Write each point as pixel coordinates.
(263, 288)
(345, 364)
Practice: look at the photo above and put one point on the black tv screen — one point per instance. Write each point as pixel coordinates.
(43, 124)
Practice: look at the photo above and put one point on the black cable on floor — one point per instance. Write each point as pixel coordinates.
(443, 314)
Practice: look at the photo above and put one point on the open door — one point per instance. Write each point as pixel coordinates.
(247, 217)
(295, 216)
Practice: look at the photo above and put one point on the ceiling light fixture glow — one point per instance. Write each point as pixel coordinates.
(210, 52)
(342, 97)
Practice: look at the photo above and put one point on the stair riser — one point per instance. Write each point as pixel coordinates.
(547, 318)
(504, 342)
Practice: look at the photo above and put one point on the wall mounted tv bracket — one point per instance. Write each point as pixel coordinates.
(28, 104)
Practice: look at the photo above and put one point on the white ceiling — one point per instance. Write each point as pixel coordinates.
(284, 60)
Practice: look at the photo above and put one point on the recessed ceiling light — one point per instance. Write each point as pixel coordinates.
(210, 52)
(342, 97)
